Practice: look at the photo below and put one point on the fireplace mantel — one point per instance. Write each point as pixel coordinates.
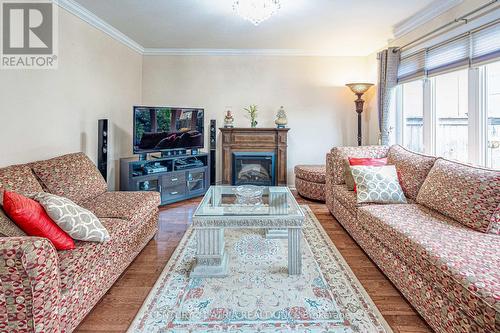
(254, 140)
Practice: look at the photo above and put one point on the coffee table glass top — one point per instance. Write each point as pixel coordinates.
(223, 201)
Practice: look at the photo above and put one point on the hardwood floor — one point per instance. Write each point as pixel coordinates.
(118, 307)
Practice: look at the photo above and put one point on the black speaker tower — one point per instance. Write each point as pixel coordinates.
(102, 147)
(213, 149)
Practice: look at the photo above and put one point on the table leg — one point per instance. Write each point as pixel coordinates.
(211, 259)
(294, 253)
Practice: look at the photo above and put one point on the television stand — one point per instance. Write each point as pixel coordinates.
(175, 177)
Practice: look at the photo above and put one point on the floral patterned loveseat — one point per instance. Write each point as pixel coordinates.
(44, 290)
(442, 249)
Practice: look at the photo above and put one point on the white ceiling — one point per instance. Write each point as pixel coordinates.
(333, 27)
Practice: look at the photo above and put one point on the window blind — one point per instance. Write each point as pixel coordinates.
(451, 54)
(476, 46)
(412, 66)
(486, 44)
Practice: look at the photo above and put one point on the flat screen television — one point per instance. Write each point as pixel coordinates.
(164, 128)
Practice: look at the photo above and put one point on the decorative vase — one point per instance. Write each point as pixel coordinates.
(228, 119)
(252, 114)
(281, 119)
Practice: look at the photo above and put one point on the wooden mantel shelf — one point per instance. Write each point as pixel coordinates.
(247, 139)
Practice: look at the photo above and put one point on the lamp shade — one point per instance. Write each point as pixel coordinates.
(359, 88)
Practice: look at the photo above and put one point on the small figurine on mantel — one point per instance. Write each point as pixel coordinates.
(281, 119)
(228, 119)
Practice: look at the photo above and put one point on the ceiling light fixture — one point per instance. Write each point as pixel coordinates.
(256, 11)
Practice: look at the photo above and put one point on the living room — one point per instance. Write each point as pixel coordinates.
(250, 166)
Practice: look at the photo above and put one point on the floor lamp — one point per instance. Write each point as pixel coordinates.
(359, 89)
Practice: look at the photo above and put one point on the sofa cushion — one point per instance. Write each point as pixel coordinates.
(76, 221)
(73, 176)
(339, 156)
(88, 256)
(8, 228)
(30, 216)
(461, 262)
(133, 206)
(467, 194)
(353, 161)
(88, 271)
(20, 179)
(412, 168)
(431, 302)
(349, 199)
(377, 184)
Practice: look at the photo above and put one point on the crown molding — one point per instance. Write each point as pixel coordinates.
(431, 11)
(236, 52)
(95, 21)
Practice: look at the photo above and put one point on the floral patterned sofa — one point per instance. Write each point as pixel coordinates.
(442, 249)
(44, 290)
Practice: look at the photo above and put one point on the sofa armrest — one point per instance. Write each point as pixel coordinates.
(30, 285)
(329, 180)
(338, 155)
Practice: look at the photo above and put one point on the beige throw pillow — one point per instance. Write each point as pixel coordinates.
(78, 222)
(377, 184)
(349, 181)
(7, 227)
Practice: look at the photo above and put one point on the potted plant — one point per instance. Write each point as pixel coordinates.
(252, 114)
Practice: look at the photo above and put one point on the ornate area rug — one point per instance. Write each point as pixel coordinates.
(258, 295)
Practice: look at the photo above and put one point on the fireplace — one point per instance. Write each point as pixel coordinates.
(248, 144)
(256, 168)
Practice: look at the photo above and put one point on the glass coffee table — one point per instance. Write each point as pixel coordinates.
(278, 213)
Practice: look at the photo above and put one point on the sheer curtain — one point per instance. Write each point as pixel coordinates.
(388, 61)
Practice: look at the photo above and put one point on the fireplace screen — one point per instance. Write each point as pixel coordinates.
(254, 168)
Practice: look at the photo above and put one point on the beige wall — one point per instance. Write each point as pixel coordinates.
(320, 108)
(45, 113)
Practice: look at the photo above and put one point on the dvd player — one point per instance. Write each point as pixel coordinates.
(155, 168)
(195, 164)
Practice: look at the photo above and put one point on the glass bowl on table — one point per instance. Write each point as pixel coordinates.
(249, 195)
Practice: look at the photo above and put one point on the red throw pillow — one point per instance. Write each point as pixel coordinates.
(367, 161)
(30, 216)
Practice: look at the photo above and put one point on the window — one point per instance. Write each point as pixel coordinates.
(451, 115)
(446, 110)
(492, 106)
(412, 115)
(434, 115)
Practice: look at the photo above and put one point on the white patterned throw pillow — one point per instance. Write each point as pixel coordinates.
(377, 184)
(79, 223)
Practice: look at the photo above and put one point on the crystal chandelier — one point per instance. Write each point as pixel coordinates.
(256, 11)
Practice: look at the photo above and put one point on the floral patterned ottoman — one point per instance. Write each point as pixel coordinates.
(310, 181)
